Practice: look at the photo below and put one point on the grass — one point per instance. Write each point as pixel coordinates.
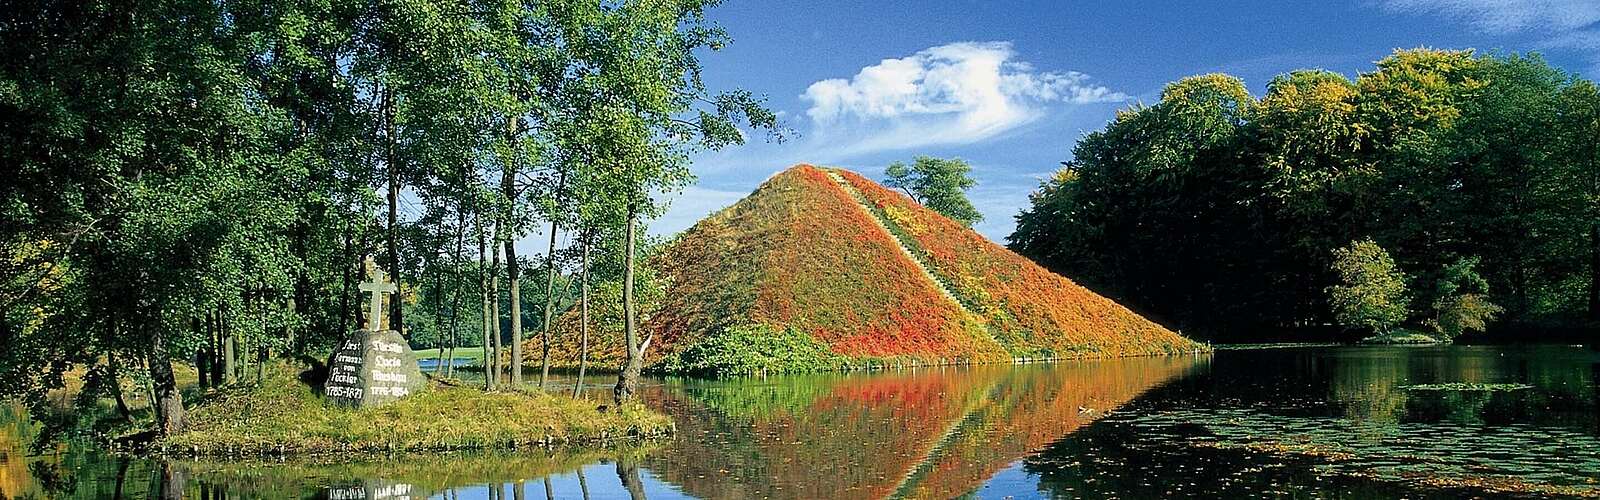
(282, 415)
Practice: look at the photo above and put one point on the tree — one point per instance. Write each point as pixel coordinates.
(1214, 212)
(1461, 300)
(640, 106)
(1371, 293)
(937, 183)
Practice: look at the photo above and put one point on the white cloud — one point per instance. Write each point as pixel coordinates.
(1564, 24)
(1509, 16)
(957, 93)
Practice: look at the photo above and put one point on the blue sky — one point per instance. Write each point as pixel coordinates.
(1011, 86)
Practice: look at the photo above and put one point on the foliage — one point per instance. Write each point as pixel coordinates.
(937, 183)
(199, 180)
(1029, 310)
(1461, 300)
(755, 270)
(1216, 212)
(744, 350)
(1371, 293)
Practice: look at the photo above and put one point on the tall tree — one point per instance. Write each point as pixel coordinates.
(940, 184)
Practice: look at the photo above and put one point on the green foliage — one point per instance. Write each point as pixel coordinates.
(753, 349)
(940, 184)
(1215, 211)
(1371, 293)
(1461, 300)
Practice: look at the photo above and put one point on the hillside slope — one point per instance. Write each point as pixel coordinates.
(822, 268)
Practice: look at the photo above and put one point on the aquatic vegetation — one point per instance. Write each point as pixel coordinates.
(1511, 458)
(1466, 386)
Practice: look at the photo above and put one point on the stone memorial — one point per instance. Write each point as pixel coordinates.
(373, 366)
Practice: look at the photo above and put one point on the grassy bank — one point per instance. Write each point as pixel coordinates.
(283, 415)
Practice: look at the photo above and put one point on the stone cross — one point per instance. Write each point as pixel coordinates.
(378, 286)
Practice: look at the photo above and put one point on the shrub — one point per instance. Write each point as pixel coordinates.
(1461, 302)
(1372, 290)
(754, 350)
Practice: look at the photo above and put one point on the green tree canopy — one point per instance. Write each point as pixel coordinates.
(940, 184)
(1371, 291)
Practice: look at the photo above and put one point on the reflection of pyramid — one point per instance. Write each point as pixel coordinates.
(932, 434)
(870, 273)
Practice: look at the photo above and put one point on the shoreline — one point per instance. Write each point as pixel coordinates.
(283, 416)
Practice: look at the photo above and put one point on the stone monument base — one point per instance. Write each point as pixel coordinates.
(372, 368)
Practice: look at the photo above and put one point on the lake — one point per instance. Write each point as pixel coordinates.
(1356, 422)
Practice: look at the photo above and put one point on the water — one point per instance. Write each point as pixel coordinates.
(1302, 422)
(431, 364)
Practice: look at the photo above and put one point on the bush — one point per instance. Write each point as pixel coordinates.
(743, 350)
(1461, 302)
(1372, 290)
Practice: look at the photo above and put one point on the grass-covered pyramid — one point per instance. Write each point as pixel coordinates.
(822, 268)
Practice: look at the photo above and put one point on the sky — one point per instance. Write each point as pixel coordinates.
(1011, 86)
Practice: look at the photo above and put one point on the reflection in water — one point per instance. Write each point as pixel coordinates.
(920, 433)
(1309, 422)
(931, 433)
(1281, 422)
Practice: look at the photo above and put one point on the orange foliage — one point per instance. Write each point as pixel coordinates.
(1033, 309)
(938, 433)
(801, 252)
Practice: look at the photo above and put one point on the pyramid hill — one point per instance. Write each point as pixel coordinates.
(822, 268)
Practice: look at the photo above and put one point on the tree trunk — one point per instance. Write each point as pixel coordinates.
(455, 291)
(438, 314)
(113, 374)
(583, 484)
(494, 305)
(1594, 272)
(628, 472)
(288, 328)
(173, 481)
(549, 302)
(628, 379)
(483, 287)
(390, 163)
(508, 188)
(514, 288)
(583, 317)
(230, 369)
(345, 279)
(202, 359)
(218, 369)
(167, 401)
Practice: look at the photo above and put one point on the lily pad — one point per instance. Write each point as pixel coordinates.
(1466, 386)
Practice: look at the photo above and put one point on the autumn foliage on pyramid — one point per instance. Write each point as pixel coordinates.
(808, 272)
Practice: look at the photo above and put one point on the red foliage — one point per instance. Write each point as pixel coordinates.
(801, 252)
(1043, 311)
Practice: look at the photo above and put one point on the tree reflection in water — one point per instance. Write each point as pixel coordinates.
(937, 432)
